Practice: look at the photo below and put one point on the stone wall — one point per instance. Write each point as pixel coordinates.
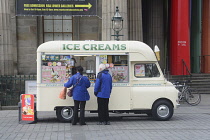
(20, 36)
(30, 36)
(88, 28)
(27, 44)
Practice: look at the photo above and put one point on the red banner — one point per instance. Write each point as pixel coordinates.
(180, 37)
(27, 107)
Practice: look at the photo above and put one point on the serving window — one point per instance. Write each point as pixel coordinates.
(118, 67)
(59, 68)
(146, 70)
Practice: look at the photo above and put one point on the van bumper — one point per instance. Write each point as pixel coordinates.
(177, 105)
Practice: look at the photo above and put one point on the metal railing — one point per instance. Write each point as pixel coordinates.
(185, 67)
(186, 73)
(11, 87)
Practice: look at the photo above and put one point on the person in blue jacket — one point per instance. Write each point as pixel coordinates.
(80, 94)
(102, 90)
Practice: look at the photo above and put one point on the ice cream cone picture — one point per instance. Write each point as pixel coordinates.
(157, 52)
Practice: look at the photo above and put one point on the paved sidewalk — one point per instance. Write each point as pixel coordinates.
(188, 123)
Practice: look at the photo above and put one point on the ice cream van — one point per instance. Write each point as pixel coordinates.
(139, 85)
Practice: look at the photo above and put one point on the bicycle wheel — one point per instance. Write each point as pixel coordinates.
(192, 96)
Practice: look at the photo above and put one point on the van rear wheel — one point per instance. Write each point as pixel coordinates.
(162, 110)
(64, 114)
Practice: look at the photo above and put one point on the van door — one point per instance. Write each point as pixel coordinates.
(147, 84)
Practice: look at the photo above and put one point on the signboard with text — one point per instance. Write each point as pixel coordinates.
(56, 7)
(27, 107)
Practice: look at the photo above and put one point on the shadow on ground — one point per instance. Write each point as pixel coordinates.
(128, 118)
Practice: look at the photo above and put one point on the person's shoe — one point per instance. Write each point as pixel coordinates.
(74, 122)
(107, 123)
(99, 123)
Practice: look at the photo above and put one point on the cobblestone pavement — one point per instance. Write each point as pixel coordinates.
(187, 123)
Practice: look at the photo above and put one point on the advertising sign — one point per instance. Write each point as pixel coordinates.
(139, 70)
(56, 7)
(54, 74)
(119, 74)
(27, 107)
(103, 59)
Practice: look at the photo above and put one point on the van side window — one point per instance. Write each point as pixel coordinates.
(146, 70)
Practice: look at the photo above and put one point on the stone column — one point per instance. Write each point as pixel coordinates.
(6, 49)
(195, 39)
(153, 26)
(108, 11)
(135, 31)
(205, 48)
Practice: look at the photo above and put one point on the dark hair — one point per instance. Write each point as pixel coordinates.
(80, 69)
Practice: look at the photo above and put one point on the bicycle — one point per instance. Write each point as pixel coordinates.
(191, 96)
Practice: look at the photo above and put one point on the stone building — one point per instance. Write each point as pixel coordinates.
(144, 20)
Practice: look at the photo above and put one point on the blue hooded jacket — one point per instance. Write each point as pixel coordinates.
(103, 85)
(80, 92)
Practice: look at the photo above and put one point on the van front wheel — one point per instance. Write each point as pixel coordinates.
(64, 114)
(162, 110)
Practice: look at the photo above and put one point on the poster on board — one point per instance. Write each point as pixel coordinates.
(103, 59)
(27, 107)
(54, 74)
(119, 74)
(140, 70)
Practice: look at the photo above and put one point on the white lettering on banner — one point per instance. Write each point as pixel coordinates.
(182, 43)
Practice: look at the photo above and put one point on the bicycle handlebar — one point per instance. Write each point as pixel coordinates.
(182, 82)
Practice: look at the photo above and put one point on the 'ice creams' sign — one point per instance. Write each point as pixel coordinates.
(94, 47)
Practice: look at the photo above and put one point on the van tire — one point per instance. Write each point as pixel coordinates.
(162, 110)
(64, 114)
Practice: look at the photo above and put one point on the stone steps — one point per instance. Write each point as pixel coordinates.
(201, 82)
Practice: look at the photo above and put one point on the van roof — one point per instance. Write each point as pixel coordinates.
(137, 48)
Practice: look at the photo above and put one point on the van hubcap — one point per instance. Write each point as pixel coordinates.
(67, 112)
(163, 111)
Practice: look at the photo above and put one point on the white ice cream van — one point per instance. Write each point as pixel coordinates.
(139, 85)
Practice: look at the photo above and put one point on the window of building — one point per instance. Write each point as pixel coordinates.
(57, 28)
(146, 70)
